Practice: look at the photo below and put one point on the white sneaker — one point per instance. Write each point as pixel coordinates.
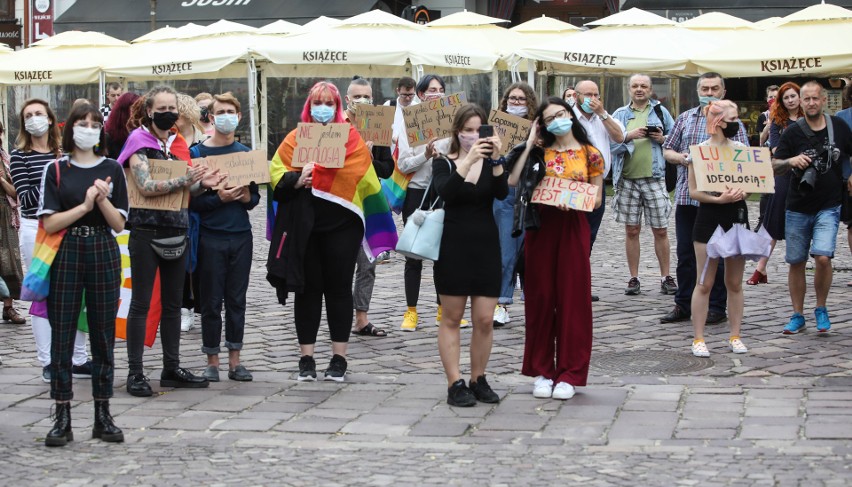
(187, 319)
(543, 387)
(563, 390)
(501, 315)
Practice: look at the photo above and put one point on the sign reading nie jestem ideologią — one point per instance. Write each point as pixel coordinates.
(720, 167)
(375, 123)
(431, 118)
(241, 168)
(322, 144)
(159, 170)
(556, 191)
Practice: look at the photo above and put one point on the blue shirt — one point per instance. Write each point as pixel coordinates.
(218, 217)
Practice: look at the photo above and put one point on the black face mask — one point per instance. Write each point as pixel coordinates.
(731, 130)
(205, 115)
(164, 120)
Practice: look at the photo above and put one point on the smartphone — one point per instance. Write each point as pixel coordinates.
(486, 131)
(653, 128)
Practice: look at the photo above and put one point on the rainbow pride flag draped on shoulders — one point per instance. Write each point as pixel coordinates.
(354, 186)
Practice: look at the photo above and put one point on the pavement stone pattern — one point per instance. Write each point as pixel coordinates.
(777, 416)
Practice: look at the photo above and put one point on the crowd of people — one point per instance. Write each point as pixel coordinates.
(331, 227)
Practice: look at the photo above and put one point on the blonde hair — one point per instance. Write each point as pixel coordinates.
(188, 108)
(203, 96)
(227, 97)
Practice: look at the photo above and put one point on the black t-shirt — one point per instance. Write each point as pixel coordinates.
(827, 192)
(74, 181)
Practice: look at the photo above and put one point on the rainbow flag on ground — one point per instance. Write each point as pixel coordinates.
(354, 186)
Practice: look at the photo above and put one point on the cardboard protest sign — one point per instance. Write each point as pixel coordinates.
(242, 168)
(747, 168)
(375, 123)
(556, 191)
(512, 129)
(431, 118)
(322, 144)
(160, 170)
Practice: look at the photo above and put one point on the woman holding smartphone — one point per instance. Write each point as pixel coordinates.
(468, 180)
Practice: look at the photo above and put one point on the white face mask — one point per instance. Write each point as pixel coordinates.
(571, 101)
(85, 138)
(226, 123)
(516, 110)
(37, 125)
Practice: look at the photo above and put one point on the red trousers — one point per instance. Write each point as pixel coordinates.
(558, 290)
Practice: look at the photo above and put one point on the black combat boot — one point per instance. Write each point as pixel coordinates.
(61, 433)
(104, 427)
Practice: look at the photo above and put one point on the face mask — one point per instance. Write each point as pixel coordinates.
(164, 120)
(571, 101)
(518, 111)
(205, 115)
(433, 96)
(467, 141)
(560, 126)
(587, 105)
(37, 126)
(705, 100)
(731, 130)
(226, 123)
(85, 138)
(322, 113)
(358, 101)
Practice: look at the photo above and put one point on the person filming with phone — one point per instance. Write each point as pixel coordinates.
(639, 177)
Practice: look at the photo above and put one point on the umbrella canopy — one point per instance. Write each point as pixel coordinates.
(279, 27)
(632, 17)
(472, 29)
(57, 65)
(161, 34)
(717, 20)
(320, 22)
(5, 48)
(76, 38)
(812, 42)
(545, 25)
(372, 44)
(465, 19)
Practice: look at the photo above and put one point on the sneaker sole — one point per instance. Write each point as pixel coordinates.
(739, 351)
(306, 379)
(465, 405)
(632, 293)
(700, 354)
(792, 332)
(46, 381)
(335, 379)
(542, 395)
(407, 329)
(824, 331)
(565, 398)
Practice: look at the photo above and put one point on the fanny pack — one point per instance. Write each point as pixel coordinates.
(169, 248)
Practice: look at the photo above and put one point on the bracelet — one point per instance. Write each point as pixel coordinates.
(497, 162)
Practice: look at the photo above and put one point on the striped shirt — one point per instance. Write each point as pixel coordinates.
(690, 128)
(26, 169)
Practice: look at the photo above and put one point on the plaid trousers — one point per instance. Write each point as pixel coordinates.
(92, 264)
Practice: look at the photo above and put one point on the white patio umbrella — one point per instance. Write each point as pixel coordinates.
(812, 42)
(5, 48)
(280, 27)
(717, 21)
(538, 31)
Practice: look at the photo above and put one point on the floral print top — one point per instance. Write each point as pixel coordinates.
(580, 165)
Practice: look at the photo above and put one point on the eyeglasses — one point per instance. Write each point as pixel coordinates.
(518, 99)
(89, 125)
(560, 114)
(406, 95)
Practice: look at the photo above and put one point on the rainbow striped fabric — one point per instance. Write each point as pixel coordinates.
(395, 186)
(354, 186)
(36, 285)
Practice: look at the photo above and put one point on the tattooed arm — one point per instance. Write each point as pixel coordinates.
(152, 187)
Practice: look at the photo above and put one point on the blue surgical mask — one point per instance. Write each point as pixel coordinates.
(322, 113)
(705, 100)
(560, 126)
(225, 123)
(587, 105)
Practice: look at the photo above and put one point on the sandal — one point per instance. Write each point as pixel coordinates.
(371, 331)
(757, 278)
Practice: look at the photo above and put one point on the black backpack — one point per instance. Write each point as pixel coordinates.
(671, 169)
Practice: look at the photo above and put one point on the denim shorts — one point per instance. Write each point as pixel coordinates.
(819, 232)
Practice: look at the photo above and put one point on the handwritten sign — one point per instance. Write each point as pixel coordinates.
(322, 144)
(242, 168)
(747, 168)
(556, 191)
(512, 129)
(431, 118)
(160, 170)
(375, 123)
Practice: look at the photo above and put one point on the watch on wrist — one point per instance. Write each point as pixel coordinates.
(604, 116)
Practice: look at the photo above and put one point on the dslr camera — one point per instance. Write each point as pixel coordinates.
(821, 162)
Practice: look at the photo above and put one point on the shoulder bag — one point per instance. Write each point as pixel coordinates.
(36, 285)
(421, 237)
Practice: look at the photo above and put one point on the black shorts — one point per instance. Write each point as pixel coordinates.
(710, 216)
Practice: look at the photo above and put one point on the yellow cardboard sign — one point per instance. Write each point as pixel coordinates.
(323, 144)
(241, 168)
(556, 191)
(160, 170)
(431, 118)
(511, 129)
(375, 123)
(720, 167)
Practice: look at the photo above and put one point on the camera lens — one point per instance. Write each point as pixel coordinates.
(808, 180)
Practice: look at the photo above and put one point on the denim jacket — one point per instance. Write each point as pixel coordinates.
(658, 164)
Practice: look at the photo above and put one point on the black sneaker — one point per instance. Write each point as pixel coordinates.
(459, 395)
(307, 369)
(82, 371)
(182, 378)
(46, 374)
(633, 287)
(336, 368)
(668, 286)
(137, 385)
(483, 392)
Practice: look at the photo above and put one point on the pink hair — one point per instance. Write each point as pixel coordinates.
(715, 112)
(319, 89)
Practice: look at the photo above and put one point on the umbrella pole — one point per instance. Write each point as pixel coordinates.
(531, 73)
(252, 93)
(4, 105)
(101, 88)
(495, 89)
(264, 112)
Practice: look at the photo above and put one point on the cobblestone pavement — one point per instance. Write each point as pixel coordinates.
(651, 414)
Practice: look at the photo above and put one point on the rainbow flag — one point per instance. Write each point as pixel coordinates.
(354, 186)
(394, 187)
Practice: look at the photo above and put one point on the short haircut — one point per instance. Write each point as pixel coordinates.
(710, 75)
(225, 98)
(630, 79)
(357, 81)
(771, 88)
(79, 113)
(815, 84)
(114, 85)
(406, 82)
(188, 108)
(203, 96)
(424, 82)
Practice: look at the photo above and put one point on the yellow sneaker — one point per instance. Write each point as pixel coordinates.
(464, 323)
(409, 321)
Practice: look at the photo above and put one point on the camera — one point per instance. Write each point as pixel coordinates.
(807, 180)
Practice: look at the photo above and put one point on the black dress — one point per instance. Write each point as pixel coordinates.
(469, 261)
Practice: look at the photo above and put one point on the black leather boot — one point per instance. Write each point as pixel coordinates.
(104, 427)
(61, 433)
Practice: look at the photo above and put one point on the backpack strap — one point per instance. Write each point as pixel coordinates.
(659, 111)
(803, 124)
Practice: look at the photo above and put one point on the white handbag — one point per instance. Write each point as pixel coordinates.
(421, 237)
